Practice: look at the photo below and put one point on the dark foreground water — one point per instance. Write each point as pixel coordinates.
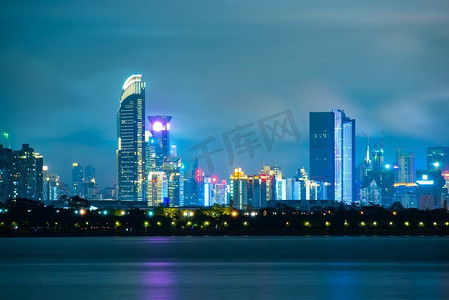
(317, 267)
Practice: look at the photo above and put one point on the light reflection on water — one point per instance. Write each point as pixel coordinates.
(225, 267)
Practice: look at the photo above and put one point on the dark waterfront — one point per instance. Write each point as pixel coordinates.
(293, 267)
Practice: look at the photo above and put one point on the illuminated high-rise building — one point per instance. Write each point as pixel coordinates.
(77, 179)
(378, 159)
(157, 189)
(220, 192)
(174, 170)
(251, 191)
(208, 191)
(51, 186)
(302, 188)
(267, 190)
(192, 185)
(21, 174)
(238, 196)
(269, 175)
(131, 137)
(28, 174)
(332, 153)
(253, 194)
(406, 164)
(160, 137)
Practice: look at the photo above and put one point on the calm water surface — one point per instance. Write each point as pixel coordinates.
(317, 267)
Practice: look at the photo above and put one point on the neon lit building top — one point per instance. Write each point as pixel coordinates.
(160, 137)
(133, 85)
(159, 123)
(131, 79)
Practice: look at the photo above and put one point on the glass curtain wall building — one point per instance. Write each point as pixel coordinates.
(160, 139)
(131, 137)
(332, 153)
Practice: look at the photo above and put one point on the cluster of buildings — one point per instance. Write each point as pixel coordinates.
(21, 174)
(150, 172)
(148, 168)
(382, 183)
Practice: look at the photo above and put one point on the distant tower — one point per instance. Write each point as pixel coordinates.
(406, 167)
(131, 137)
(89, 173)
(173, 151)
(4, 139)
(51, 185)
(77, 179)
(367, 156)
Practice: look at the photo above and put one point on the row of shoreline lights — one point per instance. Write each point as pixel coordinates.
(253, 214)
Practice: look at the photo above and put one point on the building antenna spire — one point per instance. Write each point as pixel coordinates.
(367, 157)
(382, 142)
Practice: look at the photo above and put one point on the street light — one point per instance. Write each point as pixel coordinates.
(146, 224)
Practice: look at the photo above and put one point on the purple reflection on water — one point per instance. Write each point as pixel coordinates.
(159, 279)
(160, 240)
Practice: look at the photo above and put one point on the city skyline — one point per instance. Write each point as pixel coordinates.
(294, 149)
(361, 141)
(202, 77)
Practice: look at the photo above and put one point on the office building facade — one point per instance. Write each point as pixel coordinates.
(131, 137)
(406, 163)
(332, 153)
(77, 179)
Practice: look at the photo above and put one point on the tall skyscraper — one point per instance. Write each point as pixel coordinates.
(406, 164)
(207, 191)
(332, 153)
(131, 137)
(160, 138)
(269, 175)
(253, 194)
(77, 179)
(51, 186)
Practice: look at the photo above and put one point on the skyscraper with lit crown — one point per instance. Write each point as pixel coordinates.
(131, 137)
(160, 138)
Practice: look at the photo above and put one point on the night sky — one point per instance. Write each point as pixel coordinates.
(213, 65)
